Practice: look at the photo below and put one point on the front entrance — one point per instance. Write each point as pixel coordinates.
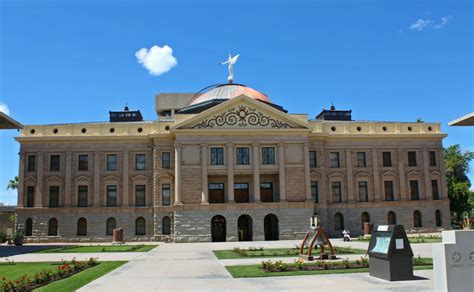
(244, 226)
(270, 227)
(266, 192)
(216, 193)
(241, 192)
(218, 228)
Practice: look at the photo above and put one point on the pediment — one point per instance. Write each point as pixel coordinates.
(242, 112)
(53, 178)
(81, 178)
(165, 175)
(30, 178)
(435, 173)
(336, 175)
(388, 173)
(111, 178)
(413, 173)
(362, 174)
(140, 177)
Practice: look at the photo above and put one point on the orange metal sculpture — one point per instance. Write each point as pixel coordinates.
(320, 238)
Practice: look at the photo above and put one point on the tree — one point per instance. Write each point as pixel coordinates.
(13, 184)
(457, 167)
(419, 120)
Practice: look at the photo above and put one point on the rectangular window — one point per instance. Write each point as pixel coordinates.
(312, 159)
(83, 163)
(432, 158)
(165, 194)
(54, 161)
(140, 196)
(82, 193)
(31, 166)
(336, 192)
(268, 155)
(334, 159)
(165, 160)
(112, 196)
(361, 159)
(111, 161)
(242, 154)
(411, 158)
(54, 196)
(314, 191)
(217, 156)
(387, 158)
(216, 186)
(434, 189)
(140, 161)
(30, 196)
(414, 193)
(389, 192)
(363, 191)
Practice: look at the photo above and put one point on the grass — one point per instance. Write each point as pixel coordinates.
(16, 270)
(412, 239)
(98, 248)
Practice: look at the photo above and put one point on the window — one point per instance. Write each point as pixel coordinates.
(434, 189)
(112, 196)
(54, 196)
(82, 227)
(314, 191)
(54, 161)
(53, 227)
(438, 218)
(361, 159)
(414, 193)
(411, 158)
(336, 192)
(29, 227)
(388, 189)
(140, 226)
(432, 158)
(166, 228)
(165, 160)
(111, 161)
(140, 161)
(110, 226)
(242, 154)
(140, 199)
(387, 159)
(268, 155)
(165, 194)
(83, 163)
(312, 159)
(82, 193)
(334, 159)
(417, 219)
(363, 191)
(31, 166)
(30, 196)
(217, 156)
(391, 218)
(338, 221)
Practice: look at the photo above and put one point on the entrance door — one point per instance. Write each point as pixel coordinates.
(216, 193)
(270, 227)
(241, 192)
(218, 228)
(266, 192)
(244, 226)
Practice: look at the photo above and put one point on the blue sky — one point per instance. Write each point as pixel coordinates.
(74, 61)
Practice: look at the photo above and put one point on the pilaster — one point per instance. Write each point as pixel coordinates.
(96, 179)
(230, 172)
(39, 182)
(68, 180)
(307, 175)
(204, 184)
(21, 180)
(281, 171)
(177, 174)
(350, 184)
(125, 176)
(401, 175)
(256, 172)
(377, 196)
(427, 194)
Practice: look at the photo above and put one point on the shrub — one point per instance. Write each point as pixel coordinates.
(300, 265)
(19, 236)
(3, 236)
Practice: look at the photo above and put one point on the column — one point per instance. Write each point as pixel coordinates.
(177, 174)
(125, 177)
(67, 183)
(39, 182)
(427, 194)
(443, 191)
(281, 171)
(204, 184)
(21, 178)
(350, 184)
(230, 173)
(375, 168)
(256, 172)
(401, 175)
(323, 191)
(96, 202)
(307, 175)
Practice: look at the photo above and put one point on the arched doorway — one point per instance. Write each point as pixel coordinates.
(391, 218)
(338, 221)
(218, 228)
(140, 226)
(270, 227)
(111, 224)
(29, 227)
(82, 227)
(166, 226)
(364, 217)
(244, 228)
(417, 219)
(438, 218)
(53, 227)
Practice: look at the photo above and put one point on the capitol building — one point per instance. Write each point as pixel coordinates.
(227, 164)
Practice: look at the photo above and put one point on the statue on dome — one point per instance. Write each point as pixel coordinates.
(231, 61)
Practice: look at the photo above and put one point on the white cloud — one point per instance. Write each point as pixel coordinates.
(421, 24)
(444, 21)
(156, 60)
(4, 108)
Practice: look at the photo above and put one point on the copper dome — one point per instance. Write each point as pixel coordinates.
(228, 91)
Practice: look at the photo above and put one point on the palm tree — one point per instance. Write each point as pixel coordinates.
(13, 184)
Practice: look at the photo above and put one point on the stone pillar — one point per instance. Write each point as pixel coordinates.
(21, 180)
(96, 202)
(230, 173)
(204, 184)
(256, 172)
(443, 189)
(377, 196)
(401, 175)
(307, 175)
(125, 177)
(177, 174)
(427, 194)
(39, 181)
(350, 185)
(322, 183)
(281, 171)
(68, 180)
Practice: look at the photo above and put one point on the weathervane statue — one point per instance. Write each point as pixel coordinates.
(231, 61)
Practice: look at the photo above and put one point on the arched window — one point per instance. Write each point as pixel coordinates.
(29, 227)
(391, 218)
(111, 225)
(140, 226)
(53, 227)
(166, 226)
(438, 218)
(417, 219)
(82, 227)
(364, 217)
(244, 228)
(338, 221)
(218, 228)
(270, 227)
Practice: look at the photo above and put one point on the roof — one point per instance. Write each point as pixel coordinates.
(6, 122)
(228, 91)
(467, 120)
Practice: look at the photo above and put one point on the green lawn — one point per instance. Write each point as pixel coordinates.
(99, 248)
(15, 271)
(278, 252)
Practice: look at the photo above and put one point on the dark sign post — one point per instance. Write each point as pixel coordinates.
(390, 254)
